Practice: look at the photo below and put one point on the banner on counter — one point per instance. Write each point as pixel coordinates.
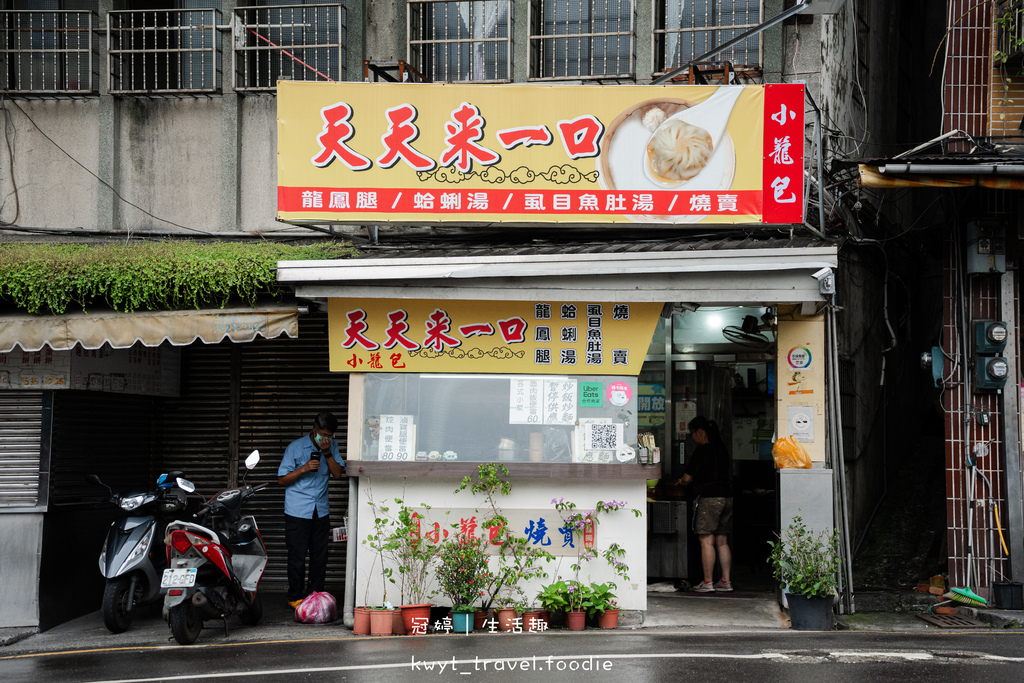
(386, 152)
(488, 337)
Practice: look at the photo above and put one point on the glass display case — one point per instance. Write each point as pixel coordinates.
(586, 419)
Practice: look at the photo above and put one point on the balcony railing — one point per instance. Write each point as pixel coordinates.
(1010, 34)
(47, 53)
(460, 40)
(685, 30)
(164, 52)
(288, 43)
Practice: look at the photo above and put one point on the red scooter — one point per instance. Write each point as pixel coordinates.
(213, 571)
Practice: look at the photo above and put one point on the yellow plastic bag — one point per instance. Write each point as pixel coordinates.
(790, 454)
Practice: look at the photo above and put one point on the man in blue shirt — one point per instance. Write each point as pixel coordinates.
(307, 465)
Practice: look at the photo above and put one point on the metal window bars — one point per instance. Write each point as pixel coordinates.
(293, 43)
(460, 40)
(686, 29)
(156, 52)
(47, 52)
(582, 39)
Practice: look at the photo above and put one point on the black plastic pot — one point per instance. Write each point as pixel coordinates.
(812, 613)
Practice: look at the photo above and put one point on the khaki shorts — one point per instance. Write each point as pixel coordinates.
(713, 516)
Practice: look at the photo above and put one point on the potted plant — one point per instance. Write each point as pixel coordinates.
(552, 599)
(461, 572)
(577, 594)
(807, 565)
(413, 558)
(518, 560)
(382, 618)
(600, 603)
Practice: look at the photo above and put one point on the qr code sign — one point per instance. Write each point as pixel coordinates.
(602, 436)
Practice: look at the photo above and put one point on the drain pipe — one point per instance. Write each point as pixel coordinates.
(349, 614)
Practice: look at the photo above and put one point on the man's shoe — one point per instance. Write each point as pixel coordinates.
(723, 587)
(704, 587)
(294, 603)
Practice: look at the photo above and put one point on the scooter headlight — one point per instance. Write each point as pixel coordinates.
(140, 550)
(129, 503)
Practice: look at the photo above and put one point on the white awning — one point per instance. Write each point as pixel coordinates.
(721, 277)
(152, 328)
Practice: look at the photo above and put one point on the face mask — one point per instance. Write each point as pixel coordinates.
(322, 441)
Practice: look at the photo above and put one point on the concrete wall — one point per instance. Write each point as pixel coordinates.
(621, 527)
(20, 541)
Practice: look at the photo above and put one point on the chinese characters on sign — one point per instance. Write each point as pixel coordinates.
(784, 154)
(397, 438)
(507, 336)
(542, 401)
(542, 528)
(398, 152)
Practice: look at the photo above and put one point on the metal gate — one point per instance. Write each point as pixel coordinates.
(261, 395)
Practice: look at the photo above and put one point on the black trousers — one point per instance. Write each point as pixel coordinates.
(303, 536)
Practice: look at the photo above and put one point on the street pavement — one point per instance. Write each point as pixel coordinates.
(875, 646)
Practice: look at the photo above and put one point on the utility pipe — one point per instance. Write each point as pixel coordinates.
(952, 169)
(349, 613)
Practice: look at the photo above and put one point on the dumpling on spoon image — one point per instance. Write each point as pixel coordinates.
(681, 145)
(677, 152)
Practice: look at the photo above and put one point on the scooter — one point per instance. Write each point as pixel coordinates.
(128, 560)
(214, 571)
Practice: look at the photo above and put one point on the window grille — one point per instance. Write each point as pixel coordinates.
(164, 51)
(581, 39)
(47, 53)
(687, 29)
(461, 40)
(290, 43)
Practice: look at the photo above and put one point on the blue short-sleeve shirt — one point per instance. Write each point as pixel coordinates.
(309, 491)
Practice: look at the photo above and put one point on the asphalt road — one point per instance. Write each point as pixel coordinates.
(763, 656)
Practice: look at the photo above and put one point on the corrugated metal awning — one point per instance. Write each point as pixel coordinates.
(152, 328)
(707, 276)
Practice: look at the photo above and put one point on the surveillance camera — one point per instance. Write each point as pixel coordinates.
(826, 281)
(822, 273)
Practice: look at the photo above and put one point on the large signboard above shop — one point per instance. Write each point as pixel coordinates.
(382, 152)
(513, 337)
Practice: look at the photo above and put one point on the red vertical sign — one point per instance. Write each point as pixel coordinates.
(588, 535)
(783, 177)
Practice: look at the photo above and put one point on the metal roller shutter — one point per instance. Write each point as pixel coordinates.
(21, 417)
(281, 384)
(284, 384)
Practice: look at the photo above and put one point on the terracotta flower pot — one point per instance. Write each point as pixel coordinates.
(480, 619)
(381, 621)
(609, 619)
(506, 619)
(397, 622)
(361, 621)
(576, 620)
(532, 621)
(416, 618)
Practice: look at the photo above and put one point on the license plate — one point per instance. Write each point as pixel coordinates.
(176, 578)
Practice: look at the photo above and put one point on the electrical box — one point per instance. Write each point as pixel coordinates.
(989, 336)
(990, 373)
(986, 247)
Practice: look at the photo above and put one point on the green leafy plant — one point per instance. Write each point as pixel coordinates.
(577, 594)
(519, 561)
(158, 275)
(396, 536)
(462, 569)
(806, 563)
(554, 596)
(600, 598)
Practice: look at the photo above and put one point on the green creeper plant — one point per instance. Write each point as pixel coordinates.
(159, 275)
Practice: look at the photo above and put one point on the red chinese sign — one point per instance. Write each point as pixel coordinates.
(648, 154)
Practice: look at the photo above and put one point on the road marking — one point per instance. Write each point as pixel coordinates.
(455, 663)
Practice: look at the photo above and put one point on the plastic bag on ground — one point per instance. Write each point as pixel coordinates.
(317, 608)
(790, 454)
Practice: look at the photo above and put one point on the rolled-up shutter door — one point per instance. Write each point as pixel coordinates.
(21, 418)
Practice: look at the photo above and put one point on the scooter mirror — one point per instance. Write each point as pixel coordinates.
(185, 485)
(251, 461)
(93, 479)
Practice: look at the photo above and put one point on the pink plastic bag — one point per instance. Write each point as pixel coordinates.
(317, 608)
